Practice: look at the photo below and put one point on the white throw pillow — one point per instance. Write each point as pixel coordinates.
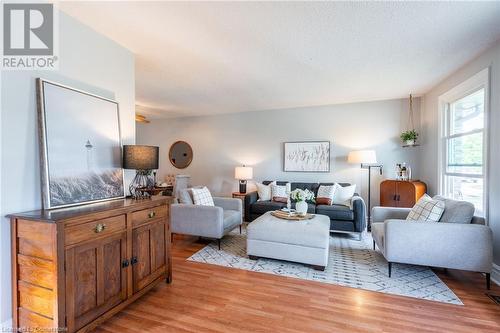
(202, 196)
(325, 195)
(426, 210)
(264, 191)
(343, 195)
(280, 193)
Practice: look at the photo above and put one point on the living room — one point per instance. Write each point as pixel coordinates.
(250, 166)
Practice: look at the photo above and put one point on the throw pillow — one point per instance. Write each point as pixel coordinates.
(202, 196)
(264, 191)
(325, 195)
(280, 193)
(426, 210)
(342, 195)
(456, 211)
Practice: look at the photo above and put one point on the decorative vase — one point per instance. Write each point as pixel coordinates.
(301, 207)
(410, 142)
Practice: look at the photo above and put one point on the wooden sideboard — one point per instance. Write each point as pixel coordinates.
(73, 268)
(399, 193)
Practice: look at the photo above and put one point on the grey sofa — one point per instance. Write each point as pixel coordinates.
(342, 218)
(458, 241)
(205, 221)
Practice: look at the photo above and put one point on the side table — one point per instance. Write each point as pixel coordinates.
(240, 196)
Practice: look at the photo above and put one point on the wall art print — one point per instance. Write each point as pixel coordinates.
(306, 156)
(80, 146)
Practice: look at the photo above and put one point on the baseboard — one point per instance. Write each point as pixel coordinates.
(6, 326)
(495, 274)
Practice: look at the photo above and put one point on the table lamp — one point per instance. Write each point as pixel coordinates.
(143, 159)
(368, 160)
(243, 173)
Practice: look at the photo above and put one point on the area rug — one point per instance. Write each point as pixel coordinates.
(351, 263)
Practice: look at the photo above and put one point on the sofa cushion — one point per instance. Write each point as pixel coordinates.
(185, 196)
(232, 218)
(202, 196)
(342, 195)
(279, 193)
(456, 211)
(261, 207)
(336, 212)
(325, 194)
(264, 191)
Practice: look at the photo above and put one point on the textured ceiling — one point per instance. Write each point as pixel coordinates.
(207, 58)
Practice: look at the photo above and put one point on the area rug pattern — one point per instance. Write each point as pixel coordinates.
(351, 263)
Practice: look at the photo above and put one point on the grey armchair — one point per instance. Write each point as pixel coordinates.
(205, 221)
(457, 241)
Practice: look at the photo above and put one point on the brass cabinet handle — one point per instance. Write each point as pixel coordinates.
(99, 228)
(152, 214)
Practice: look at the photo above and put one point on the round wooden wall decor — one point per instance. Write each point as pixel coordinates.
(180, 154)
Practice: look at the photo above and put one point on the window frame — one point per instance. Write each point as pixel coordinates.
(473, 84)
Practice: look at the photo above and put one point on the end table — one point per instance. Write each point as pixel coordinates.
(240, 196)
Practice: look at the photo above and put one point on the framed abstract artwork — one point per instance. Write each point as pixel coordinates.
(306, 156)
(80, 146)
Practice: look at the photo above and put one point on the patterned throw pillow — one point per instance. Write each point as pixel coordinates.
(325, 195)
(264, 191)
(426, 210)
(280, 193)
(202, 196)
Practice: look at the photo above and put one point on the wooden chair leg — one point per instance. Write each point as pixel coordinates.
(373, 245)
(389, 267)
(488, 281)
(218, 243)
(240, 229)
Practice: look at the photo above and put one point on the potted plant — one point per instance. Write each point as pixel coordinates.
(409, 137)
(301, 197)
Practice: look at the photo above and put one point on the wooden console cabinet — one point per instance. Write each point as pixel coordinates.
(73, 268)
(399, 193)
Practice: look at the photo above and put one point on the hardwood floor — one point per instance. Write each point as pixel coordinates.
(208, 298)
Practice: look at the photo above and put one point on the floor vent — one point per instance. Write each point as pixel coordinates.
(495, 298)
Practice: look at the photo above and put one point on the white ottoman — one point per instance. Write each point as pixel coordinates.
(305, 241)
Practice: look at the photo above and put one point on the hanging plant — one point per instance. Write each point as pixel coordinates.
(409, 137)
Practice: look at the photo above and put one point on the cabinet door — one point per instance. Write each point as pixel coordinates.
(149, 254)
(95, 279)
(406, 194)
(388, 194)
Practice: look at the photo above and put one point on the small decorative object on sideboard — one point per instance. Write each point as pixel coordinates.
(301, 197)
(403, 171)
(143, 159)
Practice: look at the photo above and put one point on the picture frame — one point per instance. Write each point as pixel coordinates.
(80, 146)
(306, 156)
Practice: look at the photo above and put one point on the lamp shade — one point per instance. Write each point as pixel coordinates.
(139, 157)
(243, 173)
(362, 157)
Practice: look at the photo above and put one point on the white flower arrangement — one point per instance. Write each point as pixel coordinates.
(302, 195)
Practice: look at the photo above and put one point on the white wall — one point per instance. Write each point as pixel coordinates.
(88, 61)
(430, 120)
(256, 139)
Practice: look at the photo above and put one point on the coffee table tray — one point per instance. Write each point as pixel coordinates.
(291, 217)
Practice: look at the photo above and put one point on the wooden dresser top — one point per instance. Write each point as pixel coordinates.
(62, 214)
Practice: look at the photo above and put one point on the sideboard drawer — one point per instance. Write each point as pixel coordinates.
(142, 216)
(90, 230)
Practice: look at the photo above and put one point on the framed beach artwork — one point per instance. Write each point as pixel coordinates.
(80, 146)
(306, 156)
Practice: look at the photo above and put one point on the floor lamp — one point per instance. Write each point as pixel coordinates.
(368, 160)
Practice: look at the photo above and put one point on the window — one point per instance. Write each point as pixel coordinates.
(463, 142)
